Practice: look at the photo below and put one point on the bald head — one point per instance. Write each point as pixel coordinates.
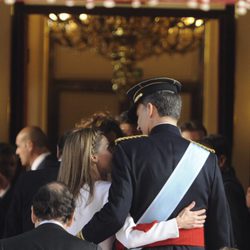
(31, 142)
(34, 134)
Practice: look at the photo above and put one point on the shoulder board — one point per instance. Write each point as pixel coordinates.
(128, 138)
(203, 146)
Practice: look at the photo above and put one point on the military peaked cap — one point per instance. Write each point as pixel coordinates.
(148, 87)
(152, 85)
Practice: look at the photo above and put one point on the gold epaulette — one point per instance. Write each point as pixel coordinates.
(203, 146)
(128, 138)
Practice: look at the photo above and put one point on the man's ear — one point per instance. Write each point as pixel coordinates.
(222, 160)
(34, 218)
(29, 145)
(150, 109)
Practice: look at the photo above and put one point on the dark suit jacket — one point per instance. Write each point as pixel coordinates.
(50, 161)
(18, 218)
(4, 206)
(141, 167)
(46, 237)
(239, 212)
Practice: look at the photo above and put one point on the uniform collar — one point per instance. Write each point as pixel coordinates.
(165, 127)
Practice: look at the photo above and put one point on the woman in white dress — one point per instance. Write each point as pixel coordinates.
(86, 161)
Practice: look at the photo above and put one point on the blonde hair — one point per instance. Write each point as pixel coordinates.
(75, 169)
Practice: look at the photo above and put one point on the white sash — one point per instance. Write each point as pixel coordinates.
(177, 185)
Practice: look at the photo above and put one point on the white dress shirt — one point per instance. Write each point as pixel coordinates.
(38, 160)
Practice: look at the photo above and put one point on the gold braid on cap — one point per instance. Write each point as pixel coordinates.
(128, 138)
(136, 98)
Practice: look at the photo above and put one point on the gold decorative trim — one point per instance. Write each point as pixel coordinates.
(203, 146)
(136, 98)
(80, 235)
(128, 138)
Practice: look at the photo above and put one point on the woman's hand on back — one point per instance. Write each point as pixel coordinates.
(188, 219)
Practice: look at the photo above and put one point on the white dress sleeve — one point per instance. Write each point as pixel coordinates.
(132, 238)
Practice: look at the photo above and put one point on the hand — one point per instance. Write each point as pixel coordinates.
(187, 219)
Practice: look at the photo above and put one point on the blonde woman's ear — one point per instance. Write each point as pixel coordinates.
(94, 171)
(94, 158)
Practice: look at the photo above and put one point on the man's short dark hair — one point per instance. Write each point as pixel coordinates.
(193, 125)
(218, 143)
(124, 118)
(7, 159)
(62, 140)
(167, 104)
(54, 201)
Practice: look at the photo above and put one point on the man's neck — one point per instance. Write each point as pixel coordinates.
(36, 152)
(59, 223)
(163, 120)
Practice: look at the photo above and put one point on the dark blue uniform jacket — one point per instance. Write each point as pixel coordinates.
(141, 166)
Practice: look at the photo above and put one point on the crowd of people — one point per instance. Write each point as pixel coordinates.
(137, 180)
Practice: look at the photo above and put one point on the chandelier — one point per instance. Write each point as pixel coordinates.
(126, 40)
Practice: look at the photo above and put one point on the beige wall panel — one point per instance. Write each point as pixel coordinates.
(183, 67)
(73, 106)
(210, 89)
(241, 151)
(71, 63)
(37, 79)
(5, 47)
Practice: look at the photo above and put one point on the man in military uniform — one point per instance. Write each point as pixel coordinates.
(143, 164)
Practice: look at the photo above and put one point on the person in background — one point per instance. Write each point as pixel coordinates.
(52, 212)
(193, 130)
(8, 173)
(127, 126)
(234, 191)
(42, 166)
(33, 150)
